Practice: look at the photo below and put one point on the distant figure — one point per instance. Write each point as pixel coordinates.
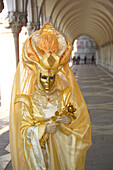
(93, 59)
(85, 60)
(74, 60)
(78, 60)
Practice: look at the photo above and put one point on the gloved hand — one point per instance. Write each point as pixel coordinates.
(51, 128)
(64, 119)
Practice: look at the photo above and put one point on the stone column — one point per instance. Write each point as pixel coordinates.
(7, 66)
(9, 31)
(31, 27)
(16, 21)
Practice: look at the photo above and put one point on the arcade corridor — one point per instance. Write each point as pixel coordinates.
(72, 18)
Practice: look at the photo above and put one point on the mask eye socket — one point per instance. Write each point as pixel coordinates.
(44, 77)
(51, 78)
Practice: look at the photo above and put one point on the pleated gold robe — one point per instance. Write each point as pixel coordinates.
(64, 150)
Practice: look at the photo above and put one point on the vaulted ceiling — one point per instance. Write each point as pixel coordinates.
(71, 17)
(78, 17)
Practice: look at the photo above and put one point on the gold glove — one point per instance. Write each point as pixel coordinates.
(51, 128)
(68, 111)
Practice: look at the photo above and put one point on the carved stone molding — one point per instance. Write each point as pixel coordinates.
(31, 27)
(17, 20)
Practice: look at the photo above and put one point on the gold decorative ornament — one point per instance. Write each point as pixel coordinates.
(69, 110)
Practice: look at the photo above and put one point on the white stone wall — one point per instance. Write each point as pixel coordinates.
(104, 55)
(85, 47)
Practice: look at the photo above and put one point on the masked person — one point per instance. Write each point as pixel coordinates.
(49, 122)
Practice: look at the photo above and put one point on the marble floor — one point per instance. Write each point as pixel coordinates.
(96, 85)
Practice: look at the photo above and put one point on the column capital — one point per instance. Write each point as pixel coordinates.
(17, 20)
(31, 27)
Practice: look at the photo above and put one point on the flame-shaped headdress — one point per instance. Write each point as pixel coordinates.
(47, 50)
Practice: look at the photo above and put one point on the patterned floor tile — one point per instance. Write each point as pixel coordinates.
(96, 85)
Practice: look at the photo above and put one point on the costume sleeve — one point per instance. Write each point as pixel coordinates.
(80, 127)
(32, 131)
(32, 134)
(75, 137)
(28, 122)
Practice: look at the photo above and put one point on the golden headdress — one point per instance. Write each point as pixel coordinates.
(46, 49)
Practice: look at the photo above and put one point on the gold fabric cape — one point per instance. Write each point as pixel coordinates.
(79, 131)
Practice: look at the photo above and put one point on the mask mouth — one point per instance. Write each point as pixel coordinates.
(47, 87)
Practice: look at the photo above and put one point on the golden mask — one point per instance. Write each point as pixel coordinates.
(46, 82)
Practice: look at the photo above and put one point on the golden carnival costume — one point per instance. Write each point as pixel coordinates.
(49, 122)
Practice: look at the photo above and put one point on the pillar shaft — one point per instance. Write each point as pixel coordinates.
(31, 27)
(16, 21)
(9, 49)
